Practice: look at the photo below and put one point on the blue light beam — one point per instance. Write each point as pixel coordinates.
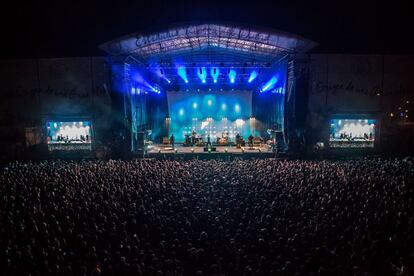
(269, 85)
(253, 76)
(182, 73)
(232, 75)
(202, 74)
(214, 72)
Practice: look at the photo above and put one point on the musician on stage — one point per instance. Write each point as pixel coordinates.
(250, 140)
(172, 141)
(193, 137)
(208, 140)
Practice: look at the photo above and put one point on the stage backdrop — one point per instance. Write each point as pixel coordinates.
(210, 113)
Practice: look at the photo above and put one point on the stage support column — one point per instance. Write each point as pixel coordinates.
(297, 102)
(121, 121)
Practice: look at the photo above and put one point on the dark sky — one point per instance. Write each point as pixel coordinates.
(75, 28)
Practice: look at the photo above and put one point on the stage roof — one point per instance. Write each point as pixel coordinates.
(217, 40)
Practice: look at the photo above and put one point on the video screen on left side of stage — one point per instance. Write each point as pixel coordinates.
(69, 135)
(352, 133)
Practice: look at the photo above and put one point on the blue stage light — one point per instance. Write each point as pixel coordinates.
(237, 108)
(182, 73)
(232, 75)
(214, 72)
(202, 74)
(269, 85)
(156, 90)
(253, 76)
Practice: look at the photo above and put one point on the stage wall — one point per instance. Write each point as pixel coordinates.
(210, 113)
(35, 89)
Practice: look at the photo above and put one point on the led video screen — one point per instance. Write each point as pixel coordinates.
(356, 133)
(212, 113)
(73, 135)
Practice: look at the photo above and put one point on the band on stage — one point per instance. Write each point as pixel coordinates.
(224, 139)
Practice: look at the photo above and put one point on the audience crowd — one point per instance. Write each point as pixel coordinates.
(239, 217)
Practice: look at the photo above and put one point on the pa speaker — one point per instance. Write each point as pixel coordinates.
(140, 140)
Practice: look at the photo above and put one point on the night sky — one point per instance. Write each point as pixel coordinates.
(76, 28)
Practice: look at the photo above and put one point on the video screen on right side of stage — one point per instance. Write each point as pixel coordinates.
(352, 133)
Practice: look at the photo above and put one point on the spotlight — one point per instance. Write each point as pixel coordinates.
(214, 72)
(269, 85)
(159, 150)
(202, 74)
(183, 72)
(253, 76)
(175, 150)
(226, 150)
(232, 75)
(192, 150)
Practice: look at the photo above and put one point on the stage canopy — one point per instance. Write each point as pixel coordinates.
(184, 40)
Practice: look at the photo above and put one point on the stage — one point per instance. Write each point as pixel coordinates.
(180, 151)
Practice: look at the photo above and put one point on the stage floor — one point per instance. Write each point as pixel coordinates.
(180, 150)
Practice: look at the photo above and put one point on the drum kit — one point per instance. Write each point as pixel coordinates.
(224, 139)
(193, 140)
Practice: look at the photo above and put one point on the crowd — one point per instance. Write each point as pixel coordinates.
(240, 217)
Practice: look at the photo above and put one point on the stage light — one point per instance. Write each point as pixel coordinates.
(232, 75)
(214, 72)
(182, 72)
(237, 108)
(253, 76)
(181, 112)
(159, 150)
(202, 74)
(209, 102)
(239, 122)
(209, 149)
(156, 90)
(175, 150)
(192, 150)
(223, 106)
(226, 150)
(195, 105)
(269, 85)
